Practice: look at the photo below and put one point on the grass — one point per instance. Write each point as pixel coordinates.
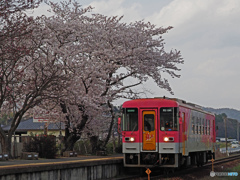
(235, 169)
(223, 144)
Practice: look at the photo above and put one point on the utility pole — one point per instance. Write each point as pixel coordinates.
(225, 122)
(237, 130)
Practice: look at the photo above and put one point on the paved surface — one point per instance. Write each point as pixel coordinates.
(63, 160)
(11, 168)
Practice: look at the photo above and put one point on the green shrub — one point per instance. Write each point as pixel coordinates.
(83, 147)
(109, 148)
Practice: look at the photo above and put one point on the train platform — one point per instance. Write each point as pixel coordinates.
(64, 160)
(83, 167)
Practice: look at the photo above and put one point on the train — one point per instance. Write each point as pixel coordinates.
(166, 132)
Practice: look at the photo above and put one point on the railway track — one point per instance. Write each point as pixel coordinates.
(161, 174)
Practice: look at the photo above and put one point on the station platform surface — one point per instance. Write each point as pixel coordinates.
(14, 163)
(66, 168)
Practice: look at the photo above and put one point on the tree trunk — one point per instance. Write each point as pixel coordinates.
(14, 124)
(94, 144)
(6, 145)
(111, 125)
(72, 137)
(69, 142)
(6, 142)
(3, 144)
(114, 142)
(9, 146)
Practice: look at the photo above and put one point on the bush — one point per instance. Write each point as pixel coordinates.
(45, 145)
(109, 148)
(118, 149)
(83, 147)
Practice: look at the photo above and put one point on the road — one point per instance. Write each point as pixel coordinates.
(230, 149)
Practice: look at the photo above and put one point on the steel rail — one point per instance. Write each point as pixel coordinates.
(179, 172)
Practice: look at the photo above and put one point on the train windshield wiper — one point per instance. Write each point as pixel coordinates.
(134, 128)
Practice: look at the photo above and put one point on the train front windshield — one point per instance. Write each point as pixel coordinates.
(130, 119)
(169, 118)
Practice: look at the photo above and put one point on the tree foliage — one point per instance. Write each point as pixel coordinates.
(27, 77)
(101, 55)
(75, 64)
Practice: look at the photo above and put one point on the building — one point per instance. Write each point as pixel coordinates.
(28, 127)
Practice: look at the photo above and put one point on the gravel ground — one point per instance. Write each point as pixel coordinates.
(204, 172)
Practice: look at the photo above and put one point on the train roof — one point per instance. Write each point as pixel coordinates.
(169, 101)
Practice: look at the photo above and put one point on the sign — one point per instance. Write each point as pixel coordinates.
(40, 119)
(44, 116)
(148, 171)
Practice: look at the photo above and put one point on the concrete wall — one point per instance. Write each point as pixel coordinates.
(102, 169)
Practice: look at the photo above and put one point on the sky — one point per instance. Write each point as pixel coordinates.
(207, 32)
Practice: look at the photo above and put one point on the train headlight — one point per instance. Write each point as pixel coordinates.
(132, 139)
(129, 139)
(168, 139)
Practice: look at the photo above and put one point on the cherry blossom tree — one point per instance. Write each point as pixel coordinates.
(101, 53)
(28, 73)
(78, 63)
(8, 7)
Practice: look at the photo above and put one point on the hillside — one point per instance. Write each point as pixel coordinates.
(231, 113)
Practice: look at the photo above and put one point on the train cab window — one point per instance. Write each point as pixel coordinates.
(169, 119)
(130, 119)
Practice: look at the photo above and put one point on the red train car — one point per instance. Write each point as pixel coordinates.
(166, 132)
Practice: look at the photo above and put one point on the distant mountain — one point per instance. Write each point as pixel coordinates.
(231, 113)
(233, 116)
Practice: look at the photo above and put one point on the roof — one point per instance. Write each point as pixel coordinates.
(158, 101)
(26, 125)
(149, 103)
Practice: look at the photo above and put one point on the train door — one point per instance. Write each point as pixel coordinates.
(149, 121)
(183, 133)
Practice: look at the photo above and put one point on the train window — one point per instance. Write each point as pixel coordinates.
(130, 119)
(193, 125)
(205, 126)
(208, 127)
(169, 119)
(149, 122)
(200, 129)
(197, 126)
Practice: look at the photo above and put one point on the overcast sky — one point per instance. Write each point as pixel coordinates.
(207, 32)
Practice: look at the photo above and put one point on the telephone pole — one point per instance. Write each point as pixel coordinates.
(225, 122)
(237, 130)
